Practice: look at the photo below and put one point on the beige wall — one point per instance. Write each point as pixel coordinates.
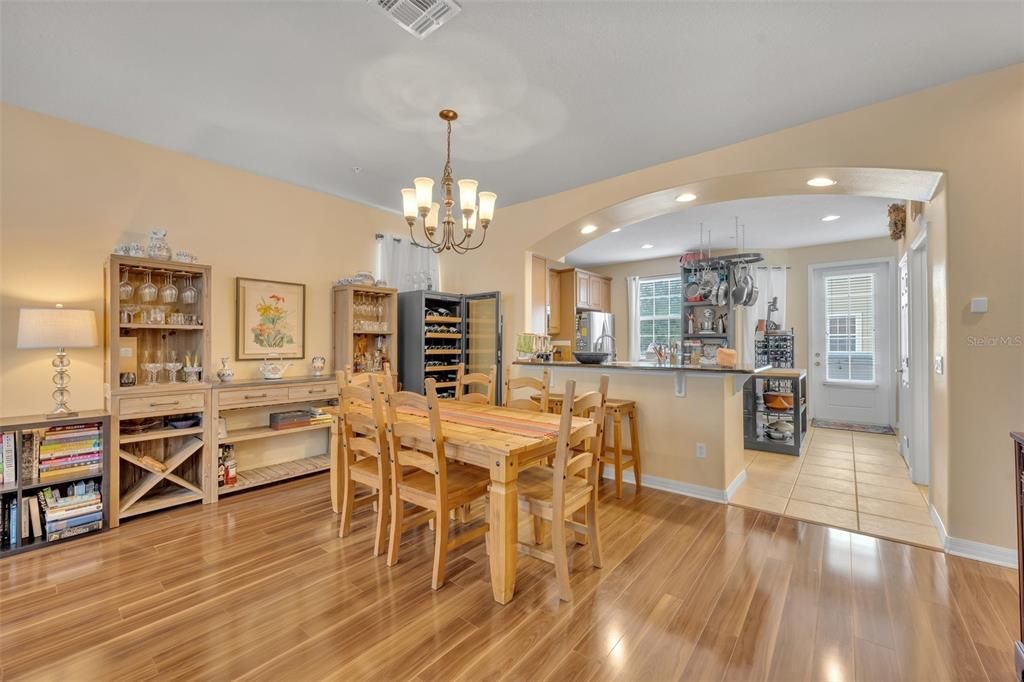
(971, 131)
(71, 193)
(797, 260)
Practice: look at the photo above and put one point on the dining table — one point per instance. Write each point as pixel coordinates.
(502, 440)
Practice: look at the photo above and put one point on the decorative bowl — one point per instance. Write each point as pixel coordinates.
(589, 358)
(778, 401)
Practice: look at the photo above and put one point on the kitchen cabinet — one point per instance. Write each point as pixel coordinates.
(554, 302)
(582, 289)
(604, 294)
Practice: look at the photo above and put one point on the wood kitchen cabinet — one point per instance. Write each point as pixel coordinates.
(554, 302)
(582, 289)
(539, 294)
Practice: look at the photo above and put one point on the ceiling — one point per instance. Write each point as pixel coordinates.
(552, 95)
(784, 222)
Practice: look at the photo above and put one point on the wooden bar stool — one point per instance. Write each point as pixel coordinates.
(615, 409)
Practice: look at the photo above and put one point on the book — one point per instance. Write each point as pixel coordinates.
(70, 461)
(79, 470)
(72, 430)
(10, 468)
(26, 522)
(72, 448)
(33, 512)
(73, 521)
(63, 514)
(71, 532)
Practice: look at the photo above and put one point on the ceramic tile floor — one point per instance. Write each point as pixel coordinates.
(855, 481)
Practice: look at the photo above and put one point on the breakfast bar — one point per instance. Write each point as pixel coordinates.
(691, 417)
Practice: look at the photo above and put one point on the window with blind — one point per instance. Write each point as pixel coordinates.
(850, 332)
(661, 309)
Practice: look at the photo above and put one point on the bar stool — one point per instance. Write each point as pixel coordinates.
(615, 409)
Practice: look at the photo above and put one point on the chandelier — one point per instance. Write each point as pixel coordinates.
(420, 202)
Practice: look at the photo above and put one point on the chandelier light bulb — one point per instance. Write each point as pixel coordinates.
(469, 223)
(431, 219)
(424, 192)
(487, 200)
(467, 195)
(409, 203)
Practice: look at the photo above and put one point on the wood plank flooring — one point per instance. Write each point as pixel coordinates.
(260, 587)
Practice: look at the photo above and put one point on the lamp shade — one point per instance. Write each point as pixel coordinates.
(56, 328)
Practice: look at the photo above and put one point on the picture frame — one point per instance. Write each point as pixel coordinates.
(270, 318)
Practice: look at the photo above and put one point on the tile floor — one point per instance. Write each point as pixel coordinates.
(850, 480)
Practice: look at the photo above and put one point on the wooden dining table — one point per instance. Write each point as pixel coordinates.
(504, 441)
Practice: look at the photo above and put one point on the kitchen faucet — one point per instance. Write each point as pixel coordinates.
(598, 341)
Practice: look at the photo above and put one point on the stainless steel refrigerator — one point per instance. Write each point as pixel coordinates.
(595, 332)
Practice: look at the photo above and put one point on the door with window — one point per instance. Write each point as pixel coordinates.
(851, 343)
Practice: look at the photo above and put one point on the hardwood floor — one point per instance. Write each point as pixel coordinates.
(259, 586)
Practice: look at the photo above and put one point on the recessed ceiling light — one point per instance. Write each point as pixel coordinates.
(587, 229)
(617, 229)
(829, 218)
(647, 246)
(821, 182)
(686, 196)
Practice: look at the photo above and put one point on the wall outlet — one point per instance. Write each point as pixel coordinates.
(938, 364)
(702, 451)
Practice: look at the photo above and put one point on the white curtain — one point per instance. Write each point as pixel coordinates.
(633, 310)
(405, 266)
(771, 282)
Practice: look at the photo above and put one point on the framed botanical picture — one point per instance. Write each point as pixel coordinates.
(270, 317)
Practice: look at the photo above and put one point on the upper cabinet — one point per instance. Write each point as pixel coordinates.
(554, 302)
(592, 291)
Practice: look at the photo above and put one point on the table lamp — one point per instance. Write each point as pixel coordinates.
(59, 328)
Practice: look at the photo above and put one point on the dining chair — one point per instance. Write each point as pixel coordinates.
(557, 494)
(537, 402)
(421, 475)
(364, 455)
(477, 379)
(348, 377)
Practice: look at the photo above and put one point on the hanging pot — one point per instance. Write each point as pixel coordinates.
(739, 290)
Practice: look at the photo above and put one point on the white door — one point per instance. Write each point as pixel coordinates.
(851, 343)
(904, 411)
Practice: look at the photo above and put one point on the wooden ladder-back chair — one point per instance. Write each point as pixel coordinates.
(347, 377)
(537, 402)
(421, 475)
(487, 381)
(558, 493)
(364, 455)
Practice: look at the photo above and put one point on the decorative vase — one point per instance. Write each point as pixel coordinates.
(159, 249)
(225, 373)
(318, 362)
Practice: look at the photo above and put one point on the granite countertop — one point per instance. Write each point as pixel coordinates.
(646, 367)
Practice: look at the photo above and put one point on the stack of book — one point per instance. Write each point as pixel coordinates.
(72, 450)
(79, 510)
(294, 419)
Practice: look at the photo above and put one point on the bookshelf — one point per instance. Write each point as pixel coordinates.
(21, 491)
(157, 317)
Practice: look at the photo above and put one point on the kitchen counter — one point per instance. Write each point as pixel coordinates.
(648, 367)
(253, 383)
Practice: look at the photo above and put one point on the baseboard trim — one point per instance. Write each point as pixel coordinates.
(678, 487)
(939, 525)
(979, 551)
(735, 485)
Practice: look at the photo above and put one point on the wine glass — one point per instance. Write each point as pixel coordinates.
(152, 365)
(172, 366)
(169, 292)
(190, 294)
(148, 291)
(125, 288)
(131, 309)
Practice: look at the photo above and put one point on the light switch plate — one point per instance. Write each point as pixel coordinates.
(702, 451)
(979, 305)
(938, 364)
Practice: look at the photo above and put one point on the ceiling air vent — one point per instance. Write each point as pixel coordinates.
(419, 17)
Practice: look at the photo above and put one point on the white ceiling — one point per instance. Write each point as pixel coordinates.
(784, 222)
(552, 94)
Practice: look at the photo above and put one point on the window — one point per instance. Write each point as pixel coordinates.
(850, 334)
(661, 310)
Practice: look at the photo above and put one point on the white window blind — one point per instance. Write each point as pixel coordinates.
(661, 310)
(850, 332)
